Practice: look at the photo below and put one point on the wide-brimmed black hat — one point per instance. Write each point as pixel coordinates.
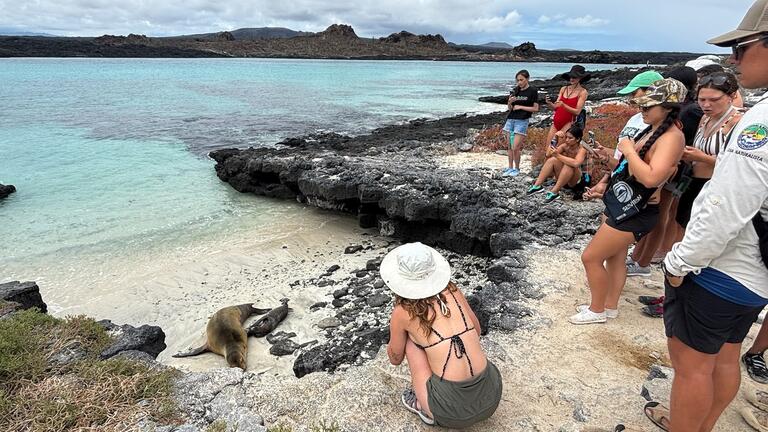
(577, 71)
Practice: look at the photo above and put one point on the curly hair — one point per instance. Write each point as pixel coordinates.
(424, 309)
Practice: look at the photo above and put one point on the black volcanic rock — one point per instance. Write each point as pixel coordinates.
(6, 190)
(342, 31)
(148, 339)
(526, 50)
(26, 294)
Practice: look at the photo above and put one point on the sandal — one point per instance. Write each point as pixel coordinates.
(658, 414)
(654, 311)
(411, 404)
(651, 300)
(755, 418)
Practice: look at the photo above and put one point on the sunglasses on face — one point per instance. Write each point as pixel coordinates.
(739, 48)
(646, 108)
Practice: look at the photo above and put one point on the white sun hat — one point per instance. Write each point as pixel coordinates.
(415, 271)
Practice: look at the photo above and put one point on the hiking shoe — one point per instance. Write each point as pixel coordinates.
(609, 313)
(654, 311)
(755, 418)
(756, 397)
(533, 189)
(756, 368)
(514, 172)
(587, 317)
(507, 172)
(635, 269)
(409, 400)
(551, 196)
(651, 300)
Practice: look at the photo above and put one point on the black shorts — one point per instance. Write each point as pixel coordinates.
(702, 320)
(686, 200)
(639, 224)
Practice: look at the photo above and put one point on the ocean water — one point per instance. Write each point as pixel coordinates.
(109, 155)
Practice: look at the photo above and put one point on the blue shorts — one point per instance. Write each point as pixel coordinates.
(519, 126)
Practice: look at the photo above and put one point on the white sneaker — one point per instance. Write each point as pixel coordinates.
(609, 313)
(587, 317)
(635, 269)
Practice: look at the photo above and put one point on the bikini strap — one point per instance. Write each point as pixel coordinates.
(463, 318)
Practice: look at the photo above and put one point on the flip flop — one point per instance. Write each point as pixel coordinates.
(658, 414)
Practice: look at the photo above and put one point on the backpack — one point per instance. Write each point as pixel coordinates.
(581, 119)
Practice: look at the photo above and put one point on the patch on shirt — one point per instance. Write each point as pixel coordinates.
(623, 192)
(753, 137)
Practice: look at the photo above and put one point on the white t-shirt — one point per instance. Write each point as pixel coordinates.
(634, 126)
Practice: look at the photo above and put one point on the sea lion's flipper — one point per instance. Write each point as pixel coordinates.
(259, 311)
(192, 352)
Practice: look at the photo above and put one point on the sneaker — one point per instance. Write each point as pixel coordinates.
(514, 172)
(654, 311)
(534, 188)
(756, 368)
(651, 300)
(551, 196)
(756, 397)
(635, 269)
(507, 172)
(587, 317)
(609, 313)
(409, 400)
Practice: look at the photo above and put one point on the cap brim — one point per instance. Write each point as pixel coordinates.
(415, 289)
(645, 101)
(627, 90)
(732, 37)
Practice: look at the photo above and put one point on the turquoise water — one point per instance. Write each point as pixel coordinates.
(108, 155)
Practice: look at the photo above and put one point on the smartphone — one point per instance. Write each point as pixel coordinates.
(553, 143)
(592, 137)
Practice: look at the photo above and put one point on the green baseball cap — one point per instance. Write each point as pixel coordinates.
(644, 79)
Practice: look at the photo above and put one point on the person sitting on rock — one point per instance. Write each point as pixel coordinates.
(632, 198)
(563, 164)
(432, 326)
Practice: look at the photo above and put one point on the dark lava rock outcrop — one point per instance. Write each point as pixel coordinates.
(23, 295)
(393, 179)
(147, 338)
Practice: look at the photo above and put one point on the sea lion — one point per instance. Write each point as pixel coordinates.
(268, 322)
(225, 335)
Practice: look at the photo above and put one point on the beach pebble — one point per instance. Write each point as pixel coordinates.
(353, 249)
(318, 305)
(329, 322)
(378, 300)
(333, 268)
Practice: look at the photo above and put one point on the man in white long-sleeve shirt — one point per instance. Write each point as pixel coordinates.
(717, 282)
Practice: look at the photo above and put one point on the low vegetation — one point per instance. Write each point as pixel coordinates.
(39, 392)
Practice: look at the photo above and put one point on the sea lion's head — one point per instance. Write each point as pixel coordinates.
(236, 358)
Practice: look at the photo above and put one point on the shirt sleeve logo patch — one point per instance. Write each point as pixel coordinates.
(753, 137)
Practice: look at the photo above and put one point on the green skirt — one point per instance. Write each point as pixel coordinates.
(459, 404)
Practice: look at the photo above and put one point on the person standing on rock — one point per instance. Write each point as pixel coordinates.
(716, 278)
(570, 101)
(632, 197)
(432, 326)
(523, 102)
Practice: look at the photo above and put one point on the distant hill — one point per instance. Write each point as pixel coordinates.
(249, 34)
(12, 32)
(497, 45)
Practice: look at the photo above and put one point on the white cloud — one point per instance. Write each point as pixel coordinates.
(585, 21)
(544, 19)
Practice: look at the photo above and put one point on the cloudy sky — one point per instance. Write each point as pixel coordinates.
(654, 25)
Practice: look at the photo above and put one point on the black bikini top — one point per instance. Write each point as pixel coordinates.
(457, 345)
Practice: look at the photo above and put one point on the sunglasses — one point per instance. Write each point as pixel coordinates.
(646, 108)
(739, 48)
(715, 79)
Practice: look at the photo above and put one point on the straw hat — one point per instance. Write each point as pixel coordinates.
(415, 271)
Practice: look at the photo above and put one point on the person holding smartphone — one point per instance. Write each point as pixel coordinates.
(563, 164)
(523, 102)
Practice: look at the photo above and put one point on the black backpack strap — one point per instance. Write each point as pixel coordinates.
(761, 228)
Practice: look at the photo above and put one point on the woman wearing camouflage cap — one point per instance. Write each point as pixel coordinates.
(632, 198)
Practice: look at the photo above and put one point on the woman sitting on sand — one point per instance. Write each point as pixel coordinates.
(570, 101)
(433, 327)
(563, 164)
(632, 198)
